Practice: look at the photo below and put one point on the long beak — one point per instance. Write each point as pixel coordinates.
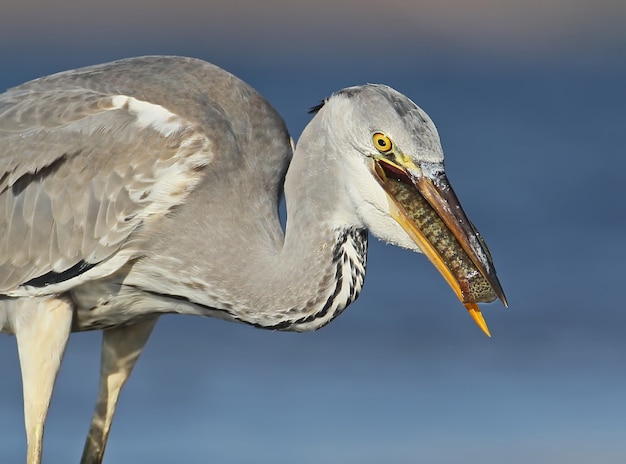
(441, 230)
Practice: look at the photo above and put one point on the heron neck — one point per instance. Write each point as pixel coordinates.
(320, 268)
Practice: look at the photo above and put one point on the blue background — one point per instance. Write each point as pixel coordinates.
(534, 143)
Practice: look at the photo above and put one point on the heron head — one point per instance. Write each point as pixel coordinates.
(397, 182)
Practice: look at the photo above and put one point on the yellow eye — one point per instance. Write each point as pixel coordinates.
(381, 142)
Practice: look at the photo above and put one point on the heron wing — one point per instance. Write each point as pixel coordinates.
(82, 173)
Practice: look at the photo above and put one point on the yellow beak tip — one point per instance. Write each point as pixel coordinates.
(474, 311)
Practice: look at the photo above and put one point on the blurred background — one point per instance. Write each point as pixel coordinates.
(530, 102)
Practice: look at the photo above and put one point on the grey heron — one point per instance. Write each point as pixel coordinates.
(151, 185)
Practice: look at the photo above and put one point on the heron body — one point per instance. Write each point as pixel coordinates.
(151, 185)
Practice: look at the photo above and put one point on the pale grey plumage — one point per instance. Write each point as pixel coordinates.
(151, 185)
(97, 185)
(103, 165)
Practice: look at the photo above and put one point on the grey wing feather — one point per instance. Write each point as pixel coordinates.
(80, 174)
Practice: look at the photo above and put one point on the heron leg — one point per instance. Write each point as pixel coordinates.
(121, 348)
(42, 330)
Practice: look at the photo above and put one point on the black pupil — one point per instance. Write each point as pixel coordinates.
(382, 142)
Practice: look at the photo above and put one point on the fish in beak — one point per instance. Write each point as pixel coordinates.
(423, 202)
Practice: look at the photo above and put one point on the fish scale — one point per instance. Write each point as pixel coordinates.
(474, 287)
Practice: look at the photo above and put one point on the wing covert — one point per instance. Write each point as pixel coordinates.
(82, 173)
